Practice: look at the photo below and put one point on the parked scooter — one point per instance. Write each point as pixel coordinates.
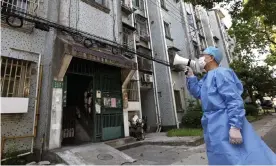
(136, 128)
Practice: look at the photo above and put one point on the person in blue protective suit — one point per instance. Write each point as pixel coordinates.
(229, 137)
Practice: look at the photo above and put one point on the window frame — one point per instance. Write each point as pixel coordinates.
(196, 50)
(167, 29)
(163, 5)
(103, 7)
(140, 4)
(190, 19)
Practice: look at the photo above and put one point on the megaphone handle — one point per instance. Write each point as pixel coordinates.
(186, 72)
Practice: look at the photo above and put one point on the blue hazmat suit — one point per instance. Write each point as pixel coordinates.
(220, 94)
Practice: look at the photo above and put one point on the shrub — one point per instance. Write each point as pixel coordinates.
(192, 118)
(251, 109)
(185, 132)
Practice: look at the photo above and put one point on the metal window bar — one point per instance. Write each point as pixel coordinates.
(15, 77)
(132, 90)
(26, 6)
(128, 38)
(22, 6)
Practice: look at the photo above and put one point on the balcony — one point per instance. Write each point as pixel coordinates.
(126, 7)
(18, 7)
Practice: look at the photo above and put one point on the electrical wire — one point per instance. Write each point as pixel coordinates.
(42, 21)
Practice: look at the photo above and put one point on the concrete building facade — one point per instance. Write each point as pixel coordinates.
(84, 68)
(186, 30)
(81, 77)
(26, 60)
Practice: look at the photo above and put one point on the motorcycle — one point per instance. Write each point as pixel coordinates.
(136, 128)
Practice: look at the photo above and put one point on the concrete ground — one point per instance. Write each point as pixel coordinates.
(185, 155)
(93, 154)
(155, 154)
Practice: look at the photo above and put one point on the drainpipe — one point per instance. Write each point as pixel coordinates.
(157, 108)
(169, 70)
(36, 111)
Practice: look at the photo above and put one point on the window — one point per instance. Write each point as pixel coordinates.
(196, 50)
(162, 3)
(125, 37)
(15, 77)
(18, 5)
(99, 2)
(132, 89)
(167, 30)
(202, 42)
(139, 4)
(178, 103)
(190, 19)
(141, 26)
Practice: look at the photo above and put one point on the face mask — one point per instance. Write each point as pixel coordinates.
(201, 62)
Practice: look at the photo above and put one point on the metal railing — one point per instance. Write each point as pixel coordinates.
(128, 38)
(15, 77)
(19, 7)
(26, 6)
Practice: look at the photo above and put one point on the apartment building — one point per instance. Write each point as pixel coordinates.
(216, 32)
(186, 30)
(72, 69)
(76, 71)
(141, 89)
(170, 35)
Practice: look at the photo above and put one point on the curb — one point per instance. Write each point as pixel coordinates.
(195, 142)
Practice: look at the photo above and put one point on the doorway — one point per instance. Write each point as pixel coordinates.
(92, 104)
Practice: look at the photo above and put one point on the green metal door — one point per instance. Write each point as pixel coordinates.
(108, 103)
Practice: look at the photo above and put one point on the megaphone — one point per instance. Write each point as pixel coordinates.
(178, 60)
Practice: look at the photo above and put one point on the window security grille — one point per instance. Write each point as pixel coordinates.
(15, 77)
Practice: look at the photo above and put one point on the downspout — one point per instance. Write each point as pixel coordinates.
(157, 108)
(36, 111)
(169, 70)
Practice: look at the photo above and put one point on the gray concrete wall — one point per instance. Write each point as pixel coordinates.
(162, 72)
(148, 108)
(39, 42)
(182, 40)
(89, 19)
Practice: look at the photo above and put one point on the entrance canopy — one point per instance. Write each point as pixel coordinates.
(104, 54)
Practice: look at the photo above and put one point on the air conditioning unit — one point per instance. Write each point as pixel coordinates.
(148, 78)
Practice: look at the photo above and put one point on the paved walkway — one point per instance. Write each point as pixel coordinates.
(102, 154)
(179, 155)
(93, 154)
